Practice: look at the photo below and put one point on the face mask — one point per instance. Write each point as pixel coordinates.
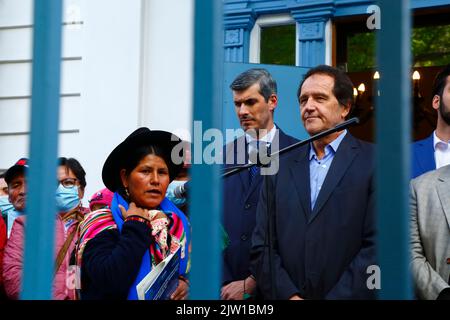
(9, 212)
(66, 198)
(5, 205)
(169, 193)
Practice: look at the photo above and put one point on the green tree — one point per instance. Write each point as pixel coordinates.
(430, 47)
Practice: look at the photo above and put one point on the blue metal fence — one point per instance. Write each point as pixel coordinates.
(393, 135)
(41, 208)
(206, 201)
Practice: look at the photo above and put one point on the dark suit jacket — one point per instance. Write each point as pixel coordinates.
(323, 253)
(423, 156)
(239, 215)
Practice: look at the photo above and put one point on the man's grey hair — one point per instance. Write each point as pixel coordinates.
(267, 85)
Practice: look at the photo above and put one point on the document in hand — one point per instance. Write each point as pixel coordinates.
(162, 280)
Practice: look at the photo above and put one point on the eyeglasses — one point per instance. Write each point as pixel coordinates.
(68, 182)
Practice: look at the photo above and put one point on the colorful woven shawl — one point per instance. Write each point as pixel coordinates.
(93, 223)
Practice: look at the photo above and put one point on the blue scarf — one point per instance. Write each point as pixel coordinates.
(169, 208)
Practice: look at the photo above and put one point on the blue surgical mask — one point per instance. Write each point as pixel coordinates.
(8, 211)
(66, 198)
(5, 205)
(169, 193)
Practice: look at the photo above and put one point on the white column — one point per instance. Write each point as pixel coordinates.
(167, 53)
(110, 93)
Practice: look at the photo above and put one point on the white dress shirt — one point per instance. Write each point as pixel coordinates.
(252, 142)
(441, 151)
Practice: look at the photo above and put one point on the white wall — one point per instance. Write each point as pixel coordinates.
(127, 63)
(167, 64)
(16, 31)
(110, 89)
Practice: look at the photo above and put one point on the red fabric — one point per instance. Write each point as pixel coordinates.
(13, 258)
(3, 238)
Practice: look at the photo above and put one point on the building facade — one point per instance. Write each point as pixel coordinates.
(125, 64)
(342, 33)
(315, 24)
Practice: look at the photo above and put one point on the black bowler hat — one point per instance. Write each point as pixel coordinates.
(18, 167)
(164, 140)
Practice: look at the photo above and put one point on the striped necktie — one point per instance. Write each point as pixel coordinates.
(252, 172)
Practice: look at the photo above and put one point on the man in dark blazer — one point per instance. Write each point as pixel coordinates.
(433, 152)
(423, 156)
(321, 205)
(255, 99)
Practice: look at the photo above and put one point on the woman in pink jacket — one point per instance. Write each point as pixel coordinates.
(70, 191)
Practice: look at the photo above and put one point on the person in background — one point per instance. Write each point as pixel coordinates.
(6, 209)
(255, 100)
(3, 185)
(12, 204)
(320, 204)
(2, 250)
(433, 152)
(119, 246)
(5, 205)
(101, 200)
(69, 192)
(180, 200)
(430, 234)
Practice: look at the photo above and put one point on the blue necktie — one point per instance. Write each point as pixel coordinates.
(252, 172)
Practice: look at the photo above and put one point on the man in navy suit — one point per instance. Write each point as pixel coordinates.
(321, 205)
(255, 100)
(433, 152)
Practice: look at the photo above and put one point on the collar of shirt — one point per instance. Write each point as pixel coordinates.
(267, 138)
(439, 144)
(332, 147)
(252, 143)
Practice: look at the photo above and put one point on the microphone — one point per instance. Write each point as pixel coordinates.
(260, 156)
(181, 191)
(233, 170)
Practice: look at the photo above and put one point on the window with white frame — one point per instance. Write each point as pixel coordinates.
(273, 40)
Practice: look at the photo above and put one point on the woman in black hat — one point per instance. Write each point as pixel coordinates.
(119, 247)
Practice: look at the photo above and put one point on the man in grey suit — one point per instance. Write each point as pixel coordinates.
(430, 234)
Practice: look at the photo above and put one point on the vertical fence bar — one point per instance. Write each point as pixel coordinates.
(393, 132)
(206, 182)
(41, 209)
